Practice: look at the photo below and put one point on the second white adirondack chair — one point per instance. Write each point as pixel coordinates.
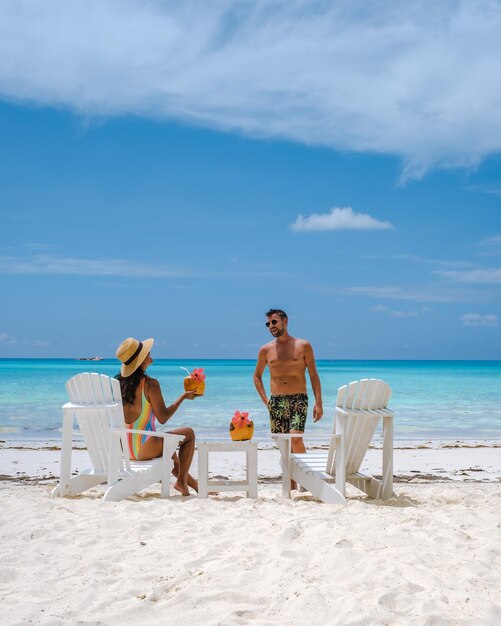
(359, 408)
(96, 404)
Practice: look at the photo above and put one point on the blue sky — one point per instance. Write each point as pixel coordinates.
(174, 171)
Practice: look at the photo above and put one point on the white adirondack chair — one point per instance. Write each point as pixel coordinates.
(359, 408)
(96, 403)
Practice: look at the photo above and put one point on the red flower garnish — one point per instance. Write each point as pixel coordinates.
(240, 419)
(198, 374)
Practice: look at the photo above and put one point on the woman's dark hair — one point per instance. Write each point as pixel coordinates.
(128, 385)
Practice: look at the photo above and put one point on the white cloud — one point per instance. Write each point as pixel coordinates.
(419, 294)
(402, 314)
(475, 319)
(489, 276)
(490, 246)
(339, 219)
(414, 258)
(492, 191)
(491, 241)
(403, 78)
(51, 264)
(9, 340)
(396, 293)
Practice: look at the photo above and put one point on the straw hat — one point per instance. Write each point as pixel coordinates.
(132, 353)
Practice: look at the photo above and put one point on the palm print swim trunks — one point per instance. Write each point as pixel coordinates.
(288, 412)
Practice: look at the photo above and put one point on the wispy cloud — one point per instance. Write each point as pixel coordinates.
(414, 258)
(386, 77)
(492, 191)
(9, 340)
(51, 264)
(491, 241)
(17, 217)
(34, 247)
(397, 293)
(491, 246)
(419, 293)
(475, 319)
(401, 314)
(6, 338)
(489, 276)
(339, 219)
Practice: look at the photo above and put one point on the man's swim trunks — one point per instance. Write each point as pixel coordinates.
(288, 412)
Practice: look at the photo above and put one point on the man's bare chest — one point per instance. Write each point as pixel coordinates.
(288, 357)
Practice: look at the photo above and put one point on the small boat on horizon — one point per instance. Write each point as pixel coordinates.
(89, 358)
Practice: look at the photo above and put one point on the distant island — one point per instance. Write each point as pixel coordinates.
(90, 358)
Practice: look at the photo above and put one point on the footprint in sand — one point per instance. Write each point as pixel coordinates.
(289, 554)
(402, 601)
(388, 600)
(292, 534)
(344, 543)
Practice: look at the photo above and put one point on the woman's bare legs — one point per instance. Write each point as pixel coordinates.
(186, 452)
(153, 449)
(190, 480)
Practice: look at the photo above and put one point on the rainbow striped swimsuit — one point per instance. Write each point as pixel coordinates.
(145, 421)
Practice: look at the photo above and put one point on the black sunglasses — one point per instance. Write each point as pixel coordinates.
(272, 323)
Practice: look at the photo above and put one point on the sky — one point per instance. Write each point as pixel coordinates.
(173, 170)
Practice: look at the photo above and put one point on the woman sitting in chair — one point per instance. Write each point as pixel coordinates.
(144, 404)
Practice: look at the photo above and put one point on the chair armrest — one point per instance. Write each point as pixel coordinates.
(151, 433)
(165, 435)
(381, 412)
(91, 405)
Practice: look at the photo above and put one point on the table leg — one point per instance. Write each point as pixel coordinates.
(252, 471)
(203, 471)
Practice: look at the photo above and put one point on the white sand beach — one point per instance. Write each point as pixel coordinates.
(432, 555)
(471, 460)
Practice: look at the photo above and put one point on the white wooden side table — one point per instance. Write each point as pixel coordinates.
(249, 485)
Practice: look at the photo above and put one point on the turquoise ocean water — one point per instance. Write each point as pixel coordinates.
(432, 399)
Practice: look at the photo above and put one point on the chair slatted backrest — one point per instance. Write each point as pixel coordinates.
(117, 420)
(362, 398)
(97, 404)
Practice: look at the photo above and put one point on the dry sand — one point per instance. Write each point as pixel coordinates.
(432, 555)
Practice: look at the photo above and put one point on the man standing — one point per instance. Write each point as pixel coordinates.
(287, 359)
